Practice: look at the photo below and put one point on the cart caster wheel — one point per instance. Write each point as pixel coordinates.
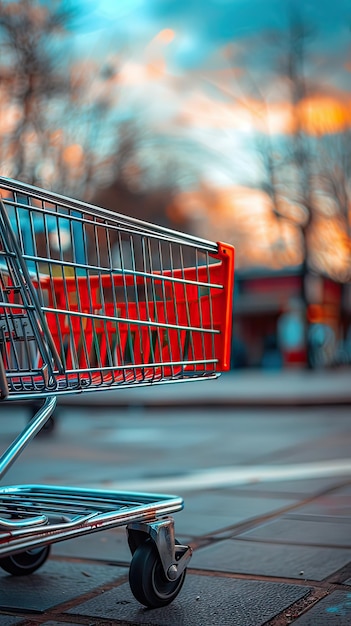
(25, 562)
(147, 580)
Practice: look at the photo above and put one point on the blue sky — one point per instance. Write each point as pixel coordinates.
(202, 28)
(213, 23)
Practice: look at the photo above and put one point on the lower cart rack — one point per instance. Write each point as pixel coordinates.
(32, 517)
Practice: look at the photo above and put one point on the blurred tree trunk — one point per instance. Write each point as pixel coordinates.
(287, 169)
(301, 153)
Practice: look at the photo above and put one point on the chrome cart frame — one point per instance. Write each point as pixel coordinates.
(92, 300)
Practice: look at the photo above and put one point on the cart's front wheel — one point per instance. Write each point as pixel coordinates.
(25, 562)
(147, 579)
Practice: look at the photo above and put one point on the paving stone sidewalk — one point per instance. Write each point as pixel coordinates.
(266, 554)
(287, 562)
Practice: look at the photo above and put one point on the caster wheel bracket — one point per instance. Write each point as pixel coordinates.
(174, 557)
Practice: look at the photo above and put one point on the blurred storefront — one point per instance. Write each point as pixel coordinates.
(274, 327)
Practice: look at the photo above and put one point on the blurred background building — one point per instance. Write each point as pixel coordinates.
(228, 120)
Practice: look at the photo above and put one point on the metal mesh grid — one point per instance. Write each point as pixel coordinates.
(92, 299)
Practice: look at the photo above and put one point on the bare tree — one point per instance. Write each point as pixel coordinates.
(310, 179)
(30, 80)
(289, 165)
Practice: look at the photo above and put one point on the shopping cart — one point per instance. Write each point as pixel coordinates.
(92, 300)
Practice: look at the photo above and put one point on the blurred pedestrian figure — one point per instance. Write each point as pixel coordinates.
(291, 334)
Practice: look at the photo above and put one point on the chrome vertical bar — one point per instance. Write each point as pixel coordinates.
(27, 434)
(27, 287)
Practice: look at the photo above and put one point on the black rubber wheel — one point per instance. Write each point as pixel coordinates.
(25, 562)
(147, 580)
